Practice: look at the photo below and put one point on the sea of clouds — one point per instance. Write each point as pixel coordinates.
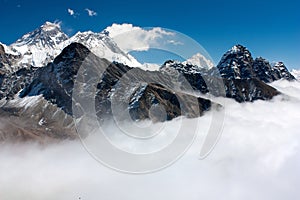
(257, 157)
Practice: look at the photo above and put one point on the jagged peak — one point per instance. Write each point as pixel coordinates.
(278, 64)
(261, 58)
(47, 31)
(89, 33)
(84, 33)
(171, 62)
(238, 48)
(88, 37)
(48, 26)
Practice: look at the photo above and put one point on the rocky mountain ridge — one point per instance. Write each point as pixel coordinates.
(39, 100)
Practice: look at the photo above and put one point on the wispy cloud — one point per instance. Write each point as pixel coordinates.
(91, 13)
(71, 12)
(174, 42)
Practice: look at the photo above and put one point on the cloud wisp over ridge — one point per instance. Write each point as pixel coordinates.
(137, 38)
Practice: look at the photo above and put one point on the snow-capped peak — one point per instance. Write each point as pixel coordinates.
(48, 26)
(42, 45)
(48, 35)
(39, 47)
(199, 60)
(237, 48)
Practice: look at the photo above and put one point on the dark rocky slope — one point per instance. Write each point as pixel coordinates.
(245, 78)
(160, 95)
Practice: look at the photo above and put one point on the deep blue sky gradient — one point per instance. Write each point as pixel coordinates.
(270, 29)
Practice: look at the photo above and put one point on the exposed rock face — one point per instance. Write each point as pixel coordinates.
(238, 80)
(157, 95)
(248, 90)
(7, 60)
(282, 72)
(245, 79)
(34, 119)
(55, 81)
(13, 82)
(2, 53)
(143, 96)
(264, 70)
(267, 73)
(160, 104)
(236, 64)
(36, 103)
(192, 73)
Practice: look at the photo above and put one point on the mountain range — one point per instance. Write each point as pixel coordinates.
(38, 73)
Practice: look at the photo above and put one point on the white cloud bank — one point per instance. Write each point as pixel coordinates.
(257, 157)
(174, 42)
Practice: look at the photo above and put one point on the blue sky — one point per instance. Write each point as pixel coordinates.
(270, 29)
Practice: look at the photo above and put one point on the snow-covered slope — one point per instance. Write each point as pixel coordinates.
(103, 46)
(7, 58)
(8, 50)
(39, 47)
(296, 73)
(199, 60)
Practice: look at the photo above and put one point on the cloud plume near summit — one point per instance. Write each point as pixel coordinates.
(137, 38)
(257, 157)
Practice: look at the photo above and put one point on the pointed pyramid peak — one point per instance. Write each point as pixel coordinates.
(73, 50)
(75, 46)
(236, 63)
(49, 34)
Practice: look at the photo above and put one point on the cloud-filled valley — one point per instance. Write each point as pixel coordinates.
(257, 157)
